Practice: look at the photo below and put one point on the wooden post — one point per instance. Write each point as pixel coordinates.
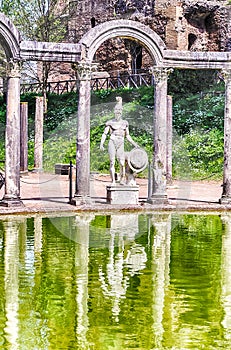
(24, 137)
(38, 142)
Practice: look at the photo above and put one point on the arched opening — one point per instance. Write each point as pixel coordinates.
(191, 40)
(122, 55)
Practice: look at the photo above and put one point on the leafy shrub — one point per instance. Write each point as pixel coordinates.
(197, 122)
(203, 111)
(198, 154)
(183, 82)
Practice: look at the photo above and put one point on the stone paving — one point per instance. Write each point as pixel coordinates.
(49, 193)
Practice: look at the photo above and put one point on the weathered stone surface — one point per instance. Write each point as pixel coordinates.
(163, 59)
(12, 136)
(183, 25)
(226, 194)
(119, 194)
(55, 52)
(9, 38)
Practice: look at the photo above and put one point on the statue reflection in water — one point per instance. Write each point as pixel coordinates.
(114, 281)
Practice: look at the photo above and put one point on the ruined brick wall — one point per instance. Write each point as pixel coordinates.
(183, 25)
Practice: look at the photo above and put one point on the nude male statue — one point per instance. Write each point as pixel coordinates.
(119, 130)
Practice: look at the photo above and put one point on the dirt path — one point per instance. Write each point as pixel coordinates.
(49, 192)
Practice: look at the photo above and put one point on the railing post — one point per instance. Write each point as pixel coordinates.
(70, 183)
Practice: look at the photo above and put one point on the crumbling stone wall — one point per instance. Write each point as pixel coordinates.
(196, 25)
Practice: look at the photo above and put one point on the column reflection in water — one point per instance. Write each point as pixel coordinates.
(38, 231)
(114, 281)
(40, 330)
(226, 276)
(11, 281)
(81, 236)
(160, 266)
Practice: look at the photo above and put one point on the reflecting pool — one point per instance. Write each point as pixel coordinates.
(121, 281)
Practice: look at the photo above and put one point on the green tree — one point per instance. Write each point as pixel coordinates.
(40, 20)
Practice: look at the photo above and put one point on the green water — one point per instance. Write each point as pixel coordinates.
(115, 282)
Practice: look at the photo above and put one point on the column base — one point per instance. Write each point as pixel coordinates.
(225, 200)
(81, 200)
(158, 199)
(11, 202)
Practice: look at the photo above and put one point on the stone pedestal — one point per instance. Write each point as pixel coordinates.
(119, 194)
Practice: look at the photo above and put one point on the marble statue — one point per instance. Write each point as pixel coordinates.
(118, 130)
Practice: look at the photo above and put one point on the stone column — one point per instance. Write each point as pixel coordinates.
(226, 194)
(169, 141)
(38, 140)
(24, 137)
(82, 195)
(12, 137)
(159, 195)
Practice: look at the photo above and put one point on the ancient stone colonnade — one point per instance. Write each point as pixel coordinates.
(82, 54)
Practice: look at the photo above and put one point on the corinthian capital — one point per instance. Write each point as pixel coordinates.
(160, 73)
(226, 75)
(84, 69)
(13, 69)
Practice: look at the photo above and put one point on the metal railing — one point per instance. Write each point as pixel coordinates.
(114, 81)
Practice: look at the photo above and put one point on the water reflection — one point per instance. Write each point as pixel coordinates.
(226, 277)
(115, 282)
(81, 273)
(160, 268)
(11, 282)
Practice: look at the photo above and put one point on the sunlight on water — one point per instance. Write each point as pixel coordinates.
(121, 281)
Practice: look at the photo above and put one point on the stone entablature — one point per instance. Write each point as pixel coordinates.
(54, 52)
(196, 60)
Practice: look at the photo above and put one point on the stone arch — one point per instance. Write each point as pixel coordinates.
(9, 38)
(128, 29)
(90, 42)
